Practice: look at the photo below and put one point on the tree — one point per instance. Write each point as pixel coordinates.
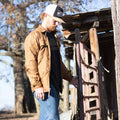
(13, 44)
(116, 26)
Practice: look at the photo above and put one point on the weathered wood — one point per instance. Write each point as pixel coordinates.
(83, 71)
(66, 88)
(106, 25)
(105, 35)
(94, 42)
(84, 21)
(89, 17)
(116, 26)
(37, 105)
(74, 90)
(95, 48)
(87, 85)
(74, 102)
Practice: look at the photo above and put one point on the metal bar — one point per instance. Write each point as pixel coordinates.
(78, 64)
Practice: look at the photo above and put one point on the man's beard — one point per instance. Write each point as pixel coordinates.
(51, 27)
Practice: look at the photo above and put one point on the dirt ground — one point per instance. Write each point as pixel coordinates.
(12, 116)
(30, 116)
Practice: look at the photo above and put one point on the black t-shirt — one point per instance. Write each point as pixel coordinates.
(55, 74)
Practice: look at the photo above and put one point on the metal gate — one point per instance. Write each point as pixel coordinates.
(88, 89)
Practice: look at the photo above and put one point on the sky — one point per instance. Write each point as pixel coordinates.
(7, 93)
(97, 5)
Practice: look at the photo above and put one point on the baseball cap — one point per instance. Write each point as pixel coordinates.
(55, 11)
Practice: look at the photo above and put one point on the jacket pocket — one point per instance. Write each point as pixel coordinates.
(42, 53)
(42, 47)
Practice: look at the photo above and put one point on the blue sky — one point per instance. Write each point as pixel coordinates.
(7, 93)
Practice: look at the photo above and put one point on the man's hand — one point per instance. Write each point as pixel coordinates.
(40, 93)
(74, 81)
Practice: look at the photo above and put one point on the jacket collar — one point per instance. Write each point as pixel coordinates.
(42, 29)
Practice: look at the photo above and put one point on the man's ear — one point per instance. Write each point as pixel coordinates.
(46, 15)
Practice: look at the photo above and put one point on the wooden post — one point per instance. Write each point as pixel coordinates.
(94, 42)
(66, 88)
(74, 90)
(95, 48)
(37, 105)
(116, 26)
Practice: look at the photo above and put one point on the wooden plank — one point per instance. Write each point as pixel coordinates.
(94, 42)
(116, 25)
(66, 88)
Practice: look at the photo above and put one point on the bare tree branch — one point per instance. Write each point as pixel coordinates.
(7, 54)
(6, 63)
(26, 5)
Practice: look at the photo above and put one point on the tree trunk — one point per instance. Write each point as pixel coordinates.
(19, 88)
(116, 27)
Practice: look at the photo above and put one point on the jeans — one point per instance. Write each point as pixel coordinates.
(49, 106)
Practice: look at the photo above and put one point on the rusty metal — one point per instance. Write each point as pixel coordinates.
(78, 64)
(84, 68)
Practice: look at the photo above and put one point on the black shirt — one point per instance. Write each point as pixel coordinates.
(55, 74)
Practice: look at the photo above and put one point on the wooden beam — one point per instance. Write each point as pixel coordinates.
(88, 19)
(94, 42)
(66, 88)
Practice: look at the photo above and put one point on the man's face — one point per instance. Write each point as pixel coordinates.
(51, 23)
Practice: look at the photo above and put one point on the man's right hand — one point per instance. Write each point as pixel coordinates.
(40, 93)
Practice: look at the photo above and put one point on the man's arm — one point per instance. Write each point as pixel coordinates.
(68, 76)
(65, 73)
(31, 53)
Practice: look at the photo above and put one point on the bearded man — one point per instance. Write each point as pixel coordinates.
(44, 65)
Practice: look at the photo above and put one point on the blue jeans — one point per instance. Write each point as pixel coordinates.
(49, 106)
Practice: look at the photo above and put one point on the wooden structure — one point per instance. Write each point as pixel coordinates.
(94, 26)
(88, 90)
